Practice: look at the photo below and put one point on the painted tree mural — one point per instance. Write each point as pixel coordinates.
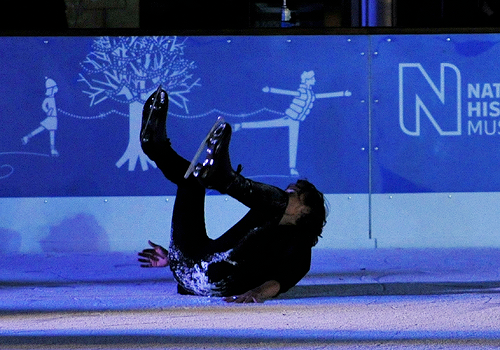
(128, 70)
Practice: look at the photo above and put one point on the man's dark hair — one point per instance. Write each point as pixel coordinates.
(315, 220)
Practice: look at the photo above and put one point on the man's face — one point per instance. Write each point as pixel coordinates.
(295, 187)
(292, 188)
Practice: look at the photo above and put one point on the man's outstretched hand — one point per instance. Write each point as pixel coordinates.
(155, 257)
(257, 295)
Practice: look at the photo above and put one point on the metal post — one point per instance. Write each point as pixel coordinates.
(376, 13)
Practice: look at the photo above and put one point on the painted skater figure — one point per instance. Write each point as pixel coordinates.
(50, 122)
(267, 252)
(300, 107)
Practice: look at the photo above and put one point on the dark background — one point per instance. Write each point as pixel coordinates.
(230, 14)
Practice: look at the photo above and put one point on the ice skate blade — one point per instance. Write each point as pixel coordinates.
(202, 149)
(145, 138)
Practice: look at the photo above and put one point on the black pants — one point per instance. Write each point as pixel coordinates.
(188, 234)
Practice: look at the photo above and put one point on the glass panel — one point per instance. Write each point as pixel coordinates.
(73, 110)
(436, 113)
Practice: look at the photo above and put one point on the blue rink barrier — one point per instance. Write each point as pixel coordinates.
(391, 113)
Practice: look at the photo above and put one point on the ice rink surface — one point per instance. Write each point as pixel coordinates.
(351, 299)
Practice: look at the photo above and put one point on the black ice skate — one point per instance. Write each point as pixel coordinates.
(215, 171)
(154, 115)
